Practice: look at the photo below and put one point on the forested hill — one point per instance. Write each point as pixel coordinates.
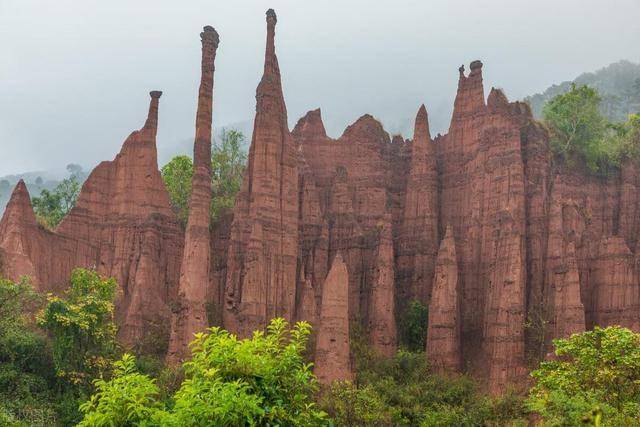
(617, 83)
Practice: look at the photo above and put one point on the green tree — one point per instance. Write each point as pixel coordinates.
(128, 399)
(26, 374)
(263, 380)
(577, 128)
(82, 327)
(596, 375)
(51, 206)
(414, 326)
(228, 160)
(177, 176)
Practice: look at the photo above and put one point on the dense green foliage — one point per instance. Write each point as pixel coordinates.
(228, 382)
(579, 132)
(44, 374)
(414, 326)
(228, 160)
(596, 374)
(618, 85)
(177, 176)
(404, 392)
(82, 328)
(128, 399)
(51, 206)
(71, 375)
(26, 375)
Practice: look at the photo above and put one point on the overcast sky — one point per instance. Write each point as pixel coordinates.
(75, 75)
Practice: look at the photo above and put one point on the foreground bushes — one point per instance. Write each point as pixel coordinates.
(403, 392)
(228, 382)
(46, 373)
(596, 377)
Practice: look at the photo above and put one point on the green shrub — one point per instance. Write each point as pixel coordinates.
(580, 133)
(597, 374)
(413, 326)
(82, 327)
(228, 382)
(402, 390)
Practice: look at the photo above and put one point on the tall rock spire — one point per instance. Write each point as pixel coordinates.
(194, 271)
(269, 196)
(417, 253)
(151, 125)
(470, 95)
(382, 319)
(443, 333)
(333, 361)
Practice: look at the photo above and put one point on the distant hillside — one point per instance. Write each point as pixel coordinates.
(36, 182)
(618, 84)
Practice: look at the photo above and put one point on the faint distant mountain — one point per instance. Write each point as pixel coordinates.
(618, 84)
(36, 182)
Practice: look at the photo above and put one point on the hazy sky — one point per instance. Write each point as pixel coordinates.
(75, 75)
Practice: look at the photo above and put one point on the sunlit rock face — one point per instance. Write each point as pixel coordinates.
(508, 249)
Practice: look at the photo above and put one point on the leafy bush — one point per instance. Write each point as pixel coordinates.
(579, 132)
(26, 379)
(350, 405)
(82, 328)
(259, 381)
(597, 374)
(414, 326)
(177, 176)
(128, 399)
(403, 391)
(228, 161)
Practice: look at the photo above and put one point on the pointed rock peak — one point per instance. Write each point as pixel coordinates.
(421, 130)
(448, 234)
(447, 245)
(19, 206)
(210, 35)
(20, 191)
(310, 125)
(476, 67)
(470, 95)
(366, 128)
(497, 99)
(202, 143)
(338, 262)
(271, 15)
(270, 61)
(397, 139)
(152, 118)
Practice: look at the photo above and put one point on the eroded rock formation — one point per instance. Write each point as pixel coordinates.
(346, 230)
(190, 315)
(382, 319)
(443, 333)
(265, 213)
(332, 346)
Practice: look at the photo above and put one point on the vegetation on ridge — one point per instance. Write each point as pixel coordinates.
(580, 133)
